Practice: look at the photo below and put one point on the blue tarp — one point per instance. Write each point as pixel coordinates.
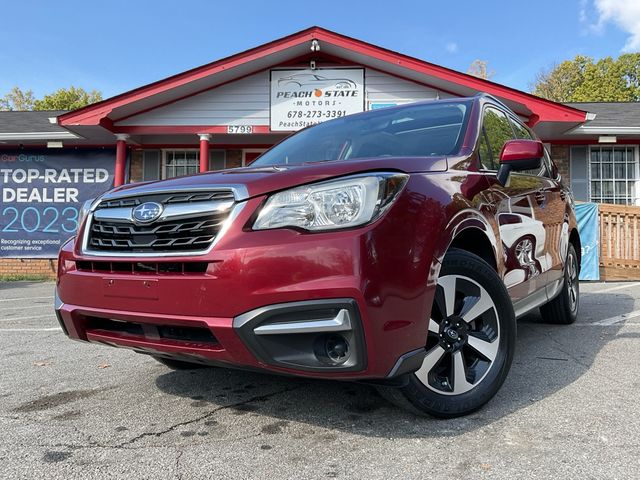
(587, 216)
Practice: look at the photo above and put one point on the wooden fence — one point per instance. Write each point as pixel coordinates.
(619, 242)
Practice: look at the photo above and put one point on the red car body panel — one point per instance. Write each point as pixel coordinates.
(388, 267)
(250, 269)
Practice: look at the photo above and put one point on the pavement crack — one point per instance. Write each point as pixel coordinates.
(178, 475)
(204, 416)
(559, 346)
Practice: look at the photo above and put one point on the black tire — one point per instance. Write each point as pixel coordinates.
(494, 329)
(563, 309)
(178, 364)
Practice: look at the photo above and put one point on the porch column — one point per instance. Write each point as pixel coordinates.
(204, 151)
(121, 158)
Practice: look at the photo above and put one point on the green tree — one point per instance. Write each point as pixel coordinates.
(67, 99)
(17, 99)
(480, 69)
(630, 66)
(560, 81)
(583, 80)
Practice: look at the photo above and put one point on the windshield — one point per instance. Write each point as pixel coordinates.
(421, 130)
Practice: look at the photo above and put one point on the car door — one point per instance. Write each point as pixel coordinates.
(517, 210)
(552, 203)
(558, 198)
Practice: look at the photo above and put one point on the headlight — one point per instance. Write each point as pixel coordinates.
(84, 211)
(343, 203)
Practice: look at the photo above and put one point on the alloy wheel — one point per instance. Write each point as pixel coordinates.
(464, 337)
(572, 282)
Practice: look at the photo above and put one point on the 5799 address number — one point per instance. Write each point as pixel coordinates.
(240, 129)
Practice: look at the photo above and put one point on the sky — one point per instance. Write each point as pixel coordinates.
(117, 45)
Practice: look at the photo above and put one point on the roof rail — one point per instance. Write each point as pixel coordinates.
(491, 97)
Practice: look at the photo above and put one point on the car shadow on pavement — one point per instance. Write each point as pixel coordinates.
(548, 358)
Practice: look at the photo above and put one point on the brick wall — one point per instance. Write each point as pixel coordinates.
(234, 159)
(28, 267)
(135, 166)
(561, 157)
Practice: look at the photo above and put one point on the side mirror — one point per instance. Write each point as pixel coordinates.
(518, 155)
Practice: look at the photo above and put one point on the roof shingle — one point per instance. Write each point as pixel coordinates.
(611, 114)
(30, 121)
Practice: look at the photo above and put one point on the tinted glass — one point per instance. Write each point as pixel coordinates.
(521, 132)
(546, 170)
(498, 129)
(423, 130)
(484, 152)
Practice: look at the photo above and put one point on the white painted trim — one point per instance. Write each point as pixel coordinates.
(592, 130)
(38, 136)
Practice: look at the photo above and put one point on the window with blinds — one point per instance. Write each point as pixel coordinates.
(181, 162)
(614, 174)
(187, 162)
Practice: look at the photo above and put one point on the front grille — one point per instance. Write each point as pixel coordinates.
(167, 198)
(182, 235)
(190, 231)
(169, 268)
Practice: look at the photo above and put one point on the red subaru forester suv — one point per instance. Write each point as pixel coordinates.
(396, 246)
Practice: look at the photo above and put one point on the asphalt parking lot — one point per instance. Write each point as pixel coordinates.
(570, 408)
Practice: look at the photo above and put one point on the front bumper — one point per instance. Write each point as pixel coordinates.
(212, 314)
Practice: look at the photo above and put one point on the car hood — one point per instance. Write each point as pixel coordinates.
(254, 181)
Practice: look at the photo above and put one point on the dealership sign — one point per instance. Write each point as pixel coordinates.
(42, 192)
(304, 97)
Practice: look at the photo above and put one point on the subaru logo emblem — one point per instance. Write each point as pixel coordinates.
(147, 212)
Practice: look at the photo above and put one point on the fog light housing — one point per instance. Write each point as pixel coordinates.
(312, 335)
(332, 349)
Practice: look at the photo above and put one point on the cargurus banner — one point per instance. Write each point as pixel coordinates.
(42, 192)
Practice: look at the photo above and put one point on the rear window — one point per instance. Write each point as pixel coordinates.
(421, 130)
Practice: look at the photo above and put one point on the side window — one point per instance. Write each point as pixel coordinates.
(498, 130)
(547, 165)
(521, 132)
(484, 152)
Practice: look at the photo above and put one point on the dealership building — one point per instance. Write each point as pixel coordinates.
(226, 113)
